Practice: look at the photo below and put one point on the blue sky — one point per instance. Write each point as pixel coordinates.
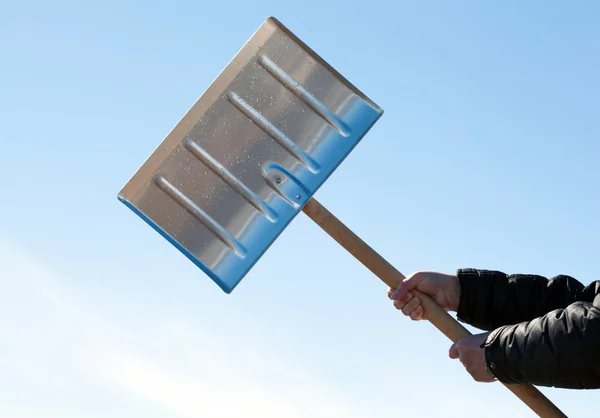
(487, 156)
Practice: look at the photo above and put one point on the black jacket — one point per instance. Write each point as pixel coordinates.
(544, 331)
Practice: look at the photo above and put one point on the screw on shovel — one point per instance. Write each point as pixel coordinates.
(248, 157)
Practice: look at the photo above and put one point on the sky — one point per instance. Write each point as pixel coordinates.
(487, 156)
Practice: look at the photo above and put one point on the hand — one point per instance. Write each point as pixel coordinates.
(470, 353)
(443, 288)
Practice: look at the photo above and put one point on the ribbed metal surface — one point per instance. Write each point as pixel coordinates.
(249, 154)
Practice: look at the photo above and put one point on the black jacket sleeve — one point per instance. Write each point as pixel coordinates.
(545, 332)
(489, 299)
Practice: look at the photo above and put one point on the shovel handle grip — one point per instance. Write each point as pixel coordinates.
(450, 327)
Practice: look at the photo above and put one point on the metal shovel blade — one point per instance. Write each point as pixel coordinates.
(249, 154)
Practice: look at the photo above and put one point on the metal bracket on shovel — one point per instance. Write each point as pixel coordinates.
(249, 156)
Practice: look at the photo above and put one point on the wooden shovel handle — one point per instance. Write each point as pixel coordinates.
(532, 397)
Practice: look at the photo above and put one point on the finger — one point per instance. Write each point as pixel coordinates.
(417, 314)
(453, 353)
(400, 303)
(390, 291)
(406, 299)
(407, 285)
(411, 306)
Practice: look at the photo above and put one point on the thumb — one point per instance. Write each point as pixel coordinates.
(453, 353)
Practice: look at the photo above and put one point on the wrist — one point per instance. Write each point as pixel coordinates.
(454, 293)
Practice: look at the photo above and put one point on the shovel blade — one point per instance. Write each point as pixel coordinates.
(249, 154)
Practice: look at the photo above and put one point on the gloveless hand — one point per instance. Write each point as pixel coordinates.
(443, 288)
(470, 353)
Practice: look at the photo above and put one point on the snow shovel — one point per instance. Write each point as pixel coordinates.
(249, 156)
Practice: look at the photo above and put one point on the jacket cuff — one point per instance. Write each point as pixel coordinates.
(496, 360)
(476, 288)
(466, 280)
